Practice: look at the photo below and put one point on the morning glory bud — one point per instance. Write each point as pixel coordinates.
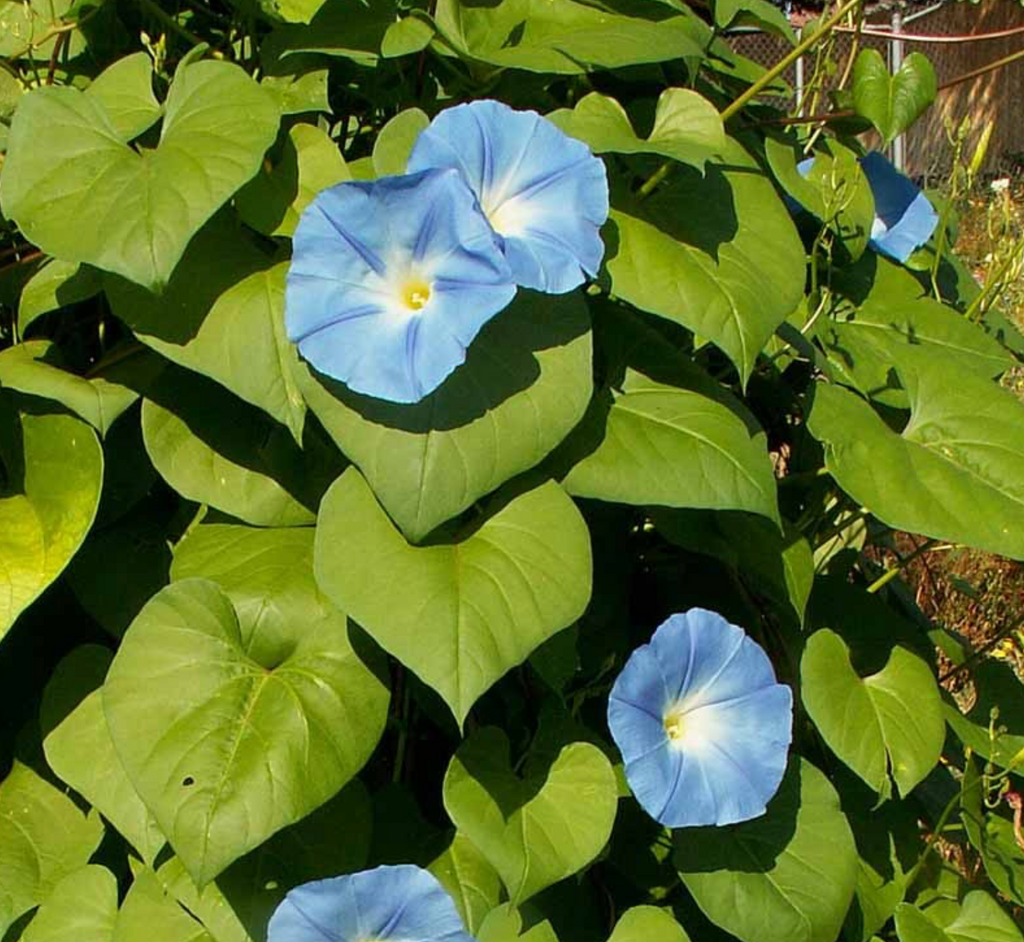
(545, 193)
(904, 217)
(390, 281)
(702, 724)
(388, 904)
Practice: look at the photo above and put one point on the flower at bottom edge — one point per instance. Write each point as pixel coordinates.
(390, 281)
(702, 725)
(399, 903)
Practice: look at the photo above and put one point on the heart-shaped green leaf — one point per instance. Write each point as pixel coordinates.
(274, 199)
(51, 471)
(468, 611)
(81, 908)
(648, 924)
(981, 919)
(236, 907)
(538, 831)
(34, 367)
(222, 315)
(892, 103)
(787, 876)
(230, 727)
(889, 720)
(470, 880)
(954, 471)
(217, 124)
(731, 273)
(526, 382)
(675, 447)
(43, 838)
(565, 38)
(687, 127)
(79, 748)
(125, 90)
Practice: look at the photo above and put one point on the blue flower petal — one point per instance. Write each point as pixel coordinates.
(904, 217)
(391, 280)
(389, 903)
(731, 723)
(544, 192)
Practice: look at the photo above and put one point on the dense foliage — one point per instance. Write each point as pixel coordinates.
(271, 617)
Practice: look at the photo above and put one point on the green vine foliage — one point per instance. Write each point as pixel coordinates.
(257, 629)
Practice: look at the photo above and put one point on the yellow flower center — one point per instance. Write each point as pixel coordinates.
(415, 293)
(674, 725)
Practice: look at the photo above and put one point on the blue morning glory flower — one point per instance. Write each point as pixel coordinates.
(390, 904)
(545, 193)
(904, 217)
(701, 723)
(390, 281)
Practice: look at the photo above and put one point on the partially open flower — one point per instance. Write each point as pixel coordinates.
(391, 280)
(544, 192)
(904, 217)
(702, 724)
(388, 904)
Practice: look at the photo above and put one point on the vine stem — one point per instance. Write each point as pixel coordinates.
(763, 82)
(164, 17)
(935, 835)
(890, 574)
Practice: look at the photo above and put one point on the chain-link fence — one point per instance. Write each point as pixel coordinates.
(948, 34)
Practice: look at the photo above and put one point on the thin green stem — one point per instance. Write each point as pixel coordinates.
(164, 17)
(933, 838)
(786, 61)
(763, 82)
(891, 573)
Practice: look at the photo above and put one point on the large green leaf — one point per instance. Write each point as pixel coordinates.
(777, 565)
(125, 91)
(468, 611)
(505, 924)
(538, 831)
(675, 447)
(232, 726)
(787, 876)
(43, 838)
(647, 924)
(51, 471)
(981, 919)
(79, 192)
(79, 749)
(470, 880)
(717, 253)
(526, 382)
(222, 315)
(54, 285)
(687, 127)
(394, 143)
(34, 367)
(883, 318)
(274, 199)
(83, 908)
(566, 38)
(216, 450)
(339, 28)
(890, 720)
(333, 839)
(954, 471)
(892, 103)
